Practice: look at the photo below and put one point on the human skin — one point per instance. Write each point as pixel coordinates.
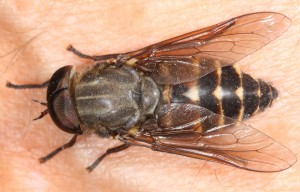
(34, 35)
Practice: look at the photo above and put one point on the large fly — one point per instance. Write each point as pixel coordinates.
(183, 96)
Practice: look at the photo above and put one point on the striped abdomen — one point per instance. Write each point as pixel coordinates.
(226, 91)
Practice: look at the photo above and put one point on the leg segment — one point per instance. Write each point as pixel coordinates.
(56, 151)
(28, 86)
(95, 57)
(79, 54)
(109, 151)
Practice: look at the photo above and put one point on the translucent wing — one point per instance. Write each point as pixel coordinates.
(193, 55)
(202, 134)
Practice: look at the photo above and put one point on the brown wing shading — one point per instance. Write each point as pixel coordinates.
(213, 137)
(193, 55)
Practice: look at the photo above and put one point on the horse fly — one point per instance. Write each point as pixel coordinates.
(183, 96)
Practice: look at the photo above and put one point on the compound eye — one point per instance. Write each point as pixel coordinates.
(59, 101)
(63, 112)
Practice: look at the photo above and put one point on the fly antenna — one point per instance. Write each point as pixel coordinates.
(40, 102)
(43, 113)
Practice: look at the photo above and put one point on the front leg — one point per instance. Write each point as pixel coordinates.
(112, 58)
(79, 54)
(27, 86)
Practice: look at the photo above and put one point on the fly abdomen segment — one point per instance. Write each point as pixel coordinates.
(231, 100)
(267, 95)
(227, 92)
(258, 95)
(251, 94)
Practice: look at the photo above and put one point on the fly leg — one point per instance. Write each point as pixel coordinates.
(56, 151)
(79, 54)
(27, 86)
(92, 57)
(32, 86)
(109, 151)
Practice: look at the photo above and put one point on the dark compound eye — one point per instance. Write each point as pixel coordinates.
(60, 106)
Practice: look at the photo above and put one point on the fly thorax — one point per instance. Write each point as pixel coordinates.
(112, 98)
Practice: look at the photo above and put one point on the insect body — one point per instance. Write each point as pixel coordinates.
(227, 92)
(182, 96)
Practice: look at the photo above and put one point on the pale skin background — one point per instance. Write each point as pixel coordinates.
(34, 35)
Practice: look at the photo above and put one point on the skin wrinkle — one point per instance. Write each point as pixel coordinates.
(103, 27)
